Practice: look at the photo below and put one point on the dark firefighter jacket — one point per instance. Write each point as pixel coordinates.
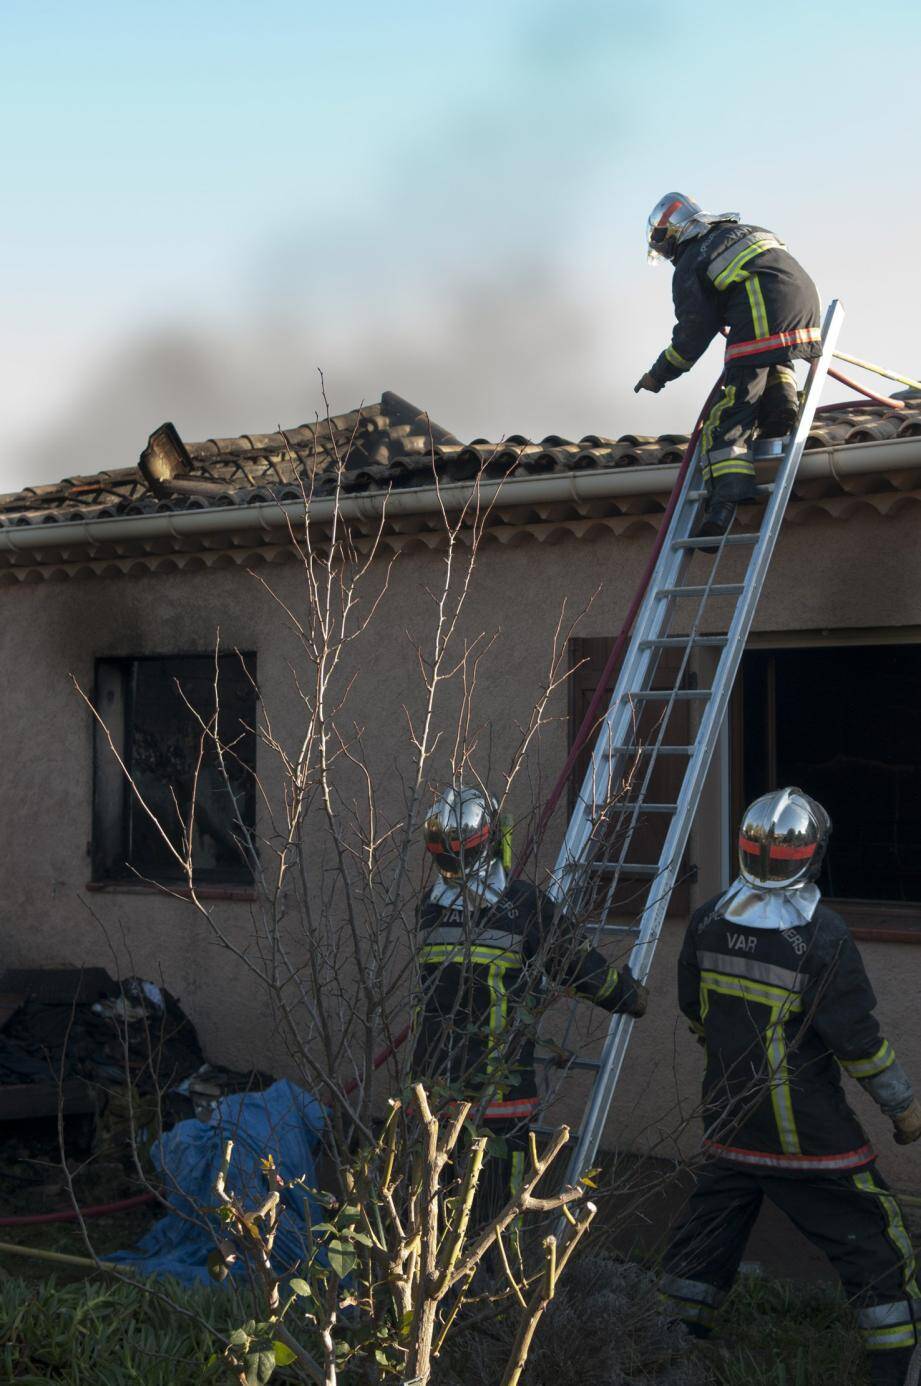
(479, 974)
(743, 278)
(781, 1013)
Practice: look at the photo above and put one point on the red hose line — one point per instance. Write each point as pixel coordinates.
(124, 1204)
(887, 400)
(589, 720)
(70, 1214)
(379, 1059)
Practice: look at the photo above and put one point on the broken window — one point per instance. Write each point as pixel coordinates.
(154, 709)
(842, 723)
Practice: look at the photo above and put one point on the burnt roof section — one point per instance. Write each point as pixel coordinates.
(391, 444)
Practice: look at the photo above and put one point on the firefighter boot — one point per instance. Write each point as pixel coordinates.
(891, 1368)
(730, 481)
(721, 507)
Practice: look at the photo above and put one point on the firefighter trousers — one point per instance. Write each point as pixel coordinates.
(502, 1171)
(752, 397)
(851, 1216)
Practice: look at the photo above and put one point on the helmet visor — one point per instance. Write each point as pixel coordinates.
(453, 852)
(656, 245)
(775, 863)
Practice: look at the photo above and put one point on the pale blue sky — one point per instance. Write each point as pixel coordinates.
(207, 201)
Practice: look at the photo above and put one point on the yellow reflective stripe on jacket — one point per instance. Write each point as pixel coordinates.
(781, 1096)
(756, 301)
(612, 977)
(674, 358)
(781, 1003)
(868, 1068)
(743, 989)
(732, 272)
(457, 953)
(895, 1230)
(498, 1010)
(497, 961)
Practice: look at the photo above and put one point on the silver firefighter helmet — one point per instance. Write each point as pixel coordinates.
(460, 831)
(782, 840)
(666, 221)
(675, 219)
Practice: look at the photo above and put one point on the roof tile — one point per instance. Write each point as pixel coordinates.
(390, 443)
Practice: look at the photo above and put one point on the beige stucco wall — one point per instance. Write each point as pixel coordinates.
(826, 575)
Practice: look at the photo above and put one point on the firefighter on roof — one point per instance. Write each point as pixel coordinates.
(775, 988)
(486, 944)
(727, 274)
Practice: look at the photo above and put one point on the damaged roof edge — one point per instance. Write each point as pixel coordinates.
(854, 459)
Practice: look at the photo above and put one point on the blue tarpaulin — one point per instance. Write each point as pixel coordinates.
(284, 1122)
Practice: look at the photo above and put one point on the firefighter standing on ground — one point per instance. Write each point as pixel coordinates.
(485, 944)
(775, 988)
(727, 274)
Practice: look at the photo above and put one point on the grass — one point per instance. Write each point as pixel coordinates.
(101, 1334)
(785, 1333)
(97, 1333)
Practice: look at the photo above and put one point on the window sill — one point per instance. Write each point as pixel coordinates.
(883, 921)
(202, 892)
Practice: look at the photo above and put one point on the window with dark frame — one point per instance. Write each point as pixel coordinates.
(843, 724)
(151, 707)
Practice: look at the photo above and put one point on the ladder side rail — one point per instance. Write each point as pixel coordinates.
(620, 1028)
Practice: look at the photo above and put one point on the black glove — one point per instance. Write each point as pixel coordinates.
(647, 382)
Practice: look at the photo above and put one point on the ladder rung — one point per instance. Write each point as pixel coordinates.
(716, 589)
(681, 642)
(658, 750)
(611, 929)
(554, 1060)
(645, 808)
(708, 541)
(764, 489)
(681, 695)
(629, 868)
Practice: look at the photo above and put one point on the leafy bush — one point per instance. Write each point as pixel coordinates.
(95, 1334)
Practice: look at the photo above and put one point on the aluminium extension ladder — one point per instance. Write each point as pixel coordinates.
(677, 616)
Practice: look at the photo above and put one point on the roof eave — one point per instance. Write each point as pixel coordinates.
(576, 488)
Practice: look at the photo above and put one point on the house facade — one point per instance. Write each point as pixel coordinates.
(113, 587)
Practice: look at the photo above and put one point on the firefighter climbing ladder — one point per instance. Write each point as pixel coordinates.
(680, 613)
